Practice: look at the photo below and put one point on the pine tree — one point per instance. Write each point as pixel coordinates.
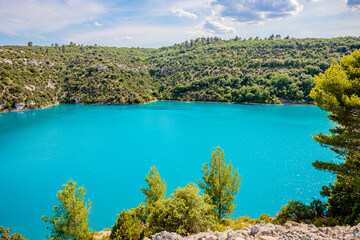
(127, 227)
(221, 183)
(70, 219)
(338, 92)
(6, 235)
(156, 187)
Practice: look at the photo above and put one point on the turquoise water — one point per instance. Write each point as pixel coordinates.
(110, 149)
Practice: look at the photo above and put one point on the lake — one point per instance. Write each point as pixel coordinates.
(109, 150)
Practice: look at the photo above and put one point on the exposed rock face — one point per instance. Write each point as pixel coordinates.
(103, 233)
(19, 106)
(166, 236)
(268, 231)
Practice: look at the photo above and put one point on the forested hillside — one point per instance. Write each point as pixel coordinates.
(205, 69)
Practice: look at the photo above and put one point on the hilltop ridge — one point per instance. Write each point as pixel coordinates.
(205, 69)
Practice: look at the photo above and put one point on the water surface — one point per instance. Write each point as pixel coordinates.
(110, 149)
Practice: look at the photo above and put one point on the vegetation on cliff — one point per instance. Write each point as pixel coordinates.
(204, 69)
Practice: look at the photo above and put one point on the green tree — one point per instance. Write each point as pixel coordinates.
(338, 92)
(221, 183)
(156, 187)
(128, 226)
(70, 219)
(30, 44)
(6, 235)
(185, 211)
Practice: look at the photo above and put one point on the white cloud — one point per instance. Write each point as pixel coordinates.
(182, 13)
(216, 27)
(127, 38)
(254, 11)
(97, 24)
(18, 17)
(354, 5)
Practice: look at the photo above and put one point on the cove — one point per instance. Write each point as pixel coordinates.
(110, 149)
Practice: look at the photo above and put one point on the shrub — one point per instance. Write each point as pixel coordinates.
(128, 226)
(186, 211)
(6, 235)
(293, 211)
(300, 212)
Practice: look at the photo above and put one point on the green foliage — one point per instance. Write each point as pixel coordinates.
(203, 69)
(314, 213)
(241, 222)
(338, 92)
(6, 235)
(156, 187)
(70, 219)
(128, 226)
(221, 183)
(185, 211)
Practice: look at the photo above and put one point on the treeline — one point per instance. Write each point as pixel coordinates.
(271, 70)
(239, 70)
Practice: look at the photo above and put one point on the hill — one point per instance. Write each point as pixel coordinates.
(204, 69)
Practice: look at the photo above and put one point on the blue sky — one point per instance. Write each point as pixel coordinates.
(156, 23)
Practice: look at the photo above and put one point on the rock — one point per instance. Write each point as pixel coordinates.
(356, 229)
(4, 60)
(266, 230)
(206, 236)
(255, 229)
(51, 85)
(291, 224)
(101, 234)
(77, 100)
(19, 106)
(164, 235)
(236, 238)
(266, 238)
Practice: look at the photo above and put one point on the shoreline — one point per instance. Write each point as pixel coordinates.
(154, 101)
(28, 109)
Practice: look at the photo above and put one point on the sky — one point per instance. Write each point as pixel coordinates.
(157, 23)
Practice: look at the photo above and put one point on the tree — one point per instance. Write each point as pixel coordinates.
(70, 219)
(156, 187)
(30, 44)
(128, 226)
(6, 235)
(186, 211)
(338, 92)
(221, 183)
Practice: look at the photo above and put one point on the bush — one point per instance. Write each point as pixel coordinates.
(186, 211)
(244, 221)
(293, 211)
(300, 212)
(6, 235)
(128, 226)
